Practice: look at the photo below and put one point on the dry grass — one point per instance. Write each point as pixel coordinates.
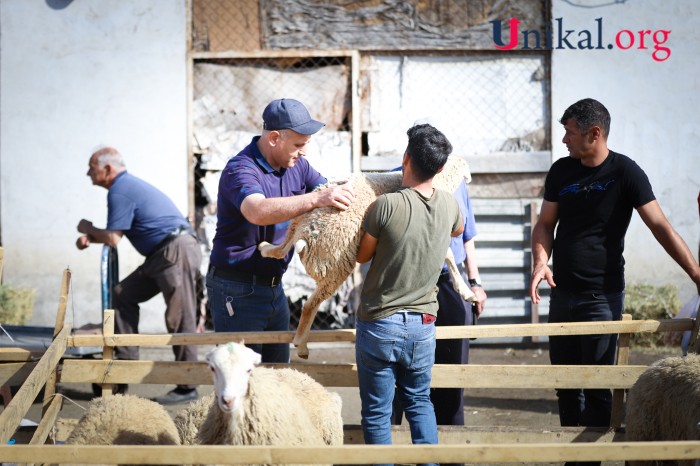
(651, 302)
(16, 305)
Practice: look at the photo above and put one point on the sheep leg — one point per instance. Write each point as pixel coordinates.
(279, 251)
(325, 287)
(457, 281)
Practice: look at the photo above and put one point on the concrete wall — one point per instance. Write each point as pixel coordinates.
(74, 75)
(653, 105)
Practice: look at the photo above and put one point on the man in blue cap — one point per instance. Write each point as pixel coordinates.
(263, 187)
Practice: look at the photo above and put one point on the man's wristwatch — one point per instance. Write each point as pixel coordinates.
(474, 282)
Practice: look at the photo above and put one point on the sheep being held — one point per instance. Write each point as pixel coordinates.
(327, 239)
(263, 406)
(664, 404)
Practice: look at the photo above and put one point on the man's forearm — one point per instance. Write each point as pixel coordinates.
(542, 242)
(269, 211)
(674, 245)
(98, 235)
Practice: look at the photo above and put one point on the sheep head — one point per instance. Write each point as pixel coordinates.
(231, 365)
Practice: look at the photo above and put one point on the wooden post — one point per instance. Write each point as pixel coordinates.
(20, 404)
(356, 133)
(50, 388)
(623, 353)
(694, 343)
(534, 307)
(107, 351)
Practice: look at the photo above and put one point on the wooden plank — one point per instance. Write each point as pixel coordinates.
(17, 354)
(470, 435)
(534, 376)
(345, 375)
(22, 401)
(353, 454)
(389, 25)
(516, 162)
(355, 111)
(348, 335)
(694, 343)
(623, 352)
(534, 307)
(456, 434)
(107, 351)
(272, 54)
(50, 385)
(190, 27)
(48, 420)
(15, 373)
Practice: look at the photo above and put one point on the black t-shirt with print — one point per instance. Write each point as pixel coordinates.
(595, 207)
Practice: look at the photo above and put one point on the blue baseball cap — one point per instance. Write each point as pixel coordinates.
(289, 114)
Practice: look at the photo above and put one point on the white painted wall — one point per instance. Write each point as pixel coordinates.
(654, 114)
(95, 71)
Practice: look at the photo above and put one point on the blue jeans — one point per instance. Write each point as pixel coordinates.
(398, 350)
(590, 407)
(256, 308)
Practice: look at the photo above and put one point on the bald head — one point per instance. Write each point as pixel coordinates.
(105, 164)
(108, 155)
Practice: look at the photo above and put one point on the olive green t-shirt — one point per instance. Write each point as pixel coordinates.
(413, 235)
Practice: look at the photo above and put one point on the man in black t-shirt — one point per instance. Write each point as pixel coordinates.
(589, 197)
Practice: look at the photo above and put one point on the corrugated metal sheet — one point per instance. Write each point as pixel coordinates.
(504, 257)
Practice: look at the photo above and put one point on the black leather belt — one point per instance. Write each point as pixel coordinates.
(264, 280)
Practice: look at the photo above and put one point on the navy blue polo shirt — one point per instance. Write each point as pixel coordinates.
(142, 212)
(236, 240)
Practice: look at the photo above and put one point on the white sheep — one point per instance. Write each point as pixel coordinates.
(327, 239)
(124, 420)
(189, 420)
(263, 406)
(664, 404)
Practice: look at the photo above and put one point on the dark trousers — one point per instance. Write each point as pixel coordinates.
(453, 311)
(589, 407)
(172, 270)
(447, 402)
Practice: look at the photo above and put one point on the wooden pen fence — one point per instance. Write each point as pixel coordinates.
(470, 444)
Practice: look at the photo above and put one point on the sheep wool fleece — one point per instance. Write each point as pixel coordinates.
(124, 420)
(664, 403)
(282, 407)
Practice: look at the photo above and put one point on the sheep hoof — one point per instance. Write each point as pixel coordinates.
(263, 248)
(303, 351)
(466, 293)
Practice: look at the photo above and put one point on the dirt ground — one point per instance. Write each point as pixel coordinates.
(483, 407)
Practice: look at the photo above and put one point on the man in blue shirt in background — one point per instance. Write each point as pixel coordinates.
(158, 231)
